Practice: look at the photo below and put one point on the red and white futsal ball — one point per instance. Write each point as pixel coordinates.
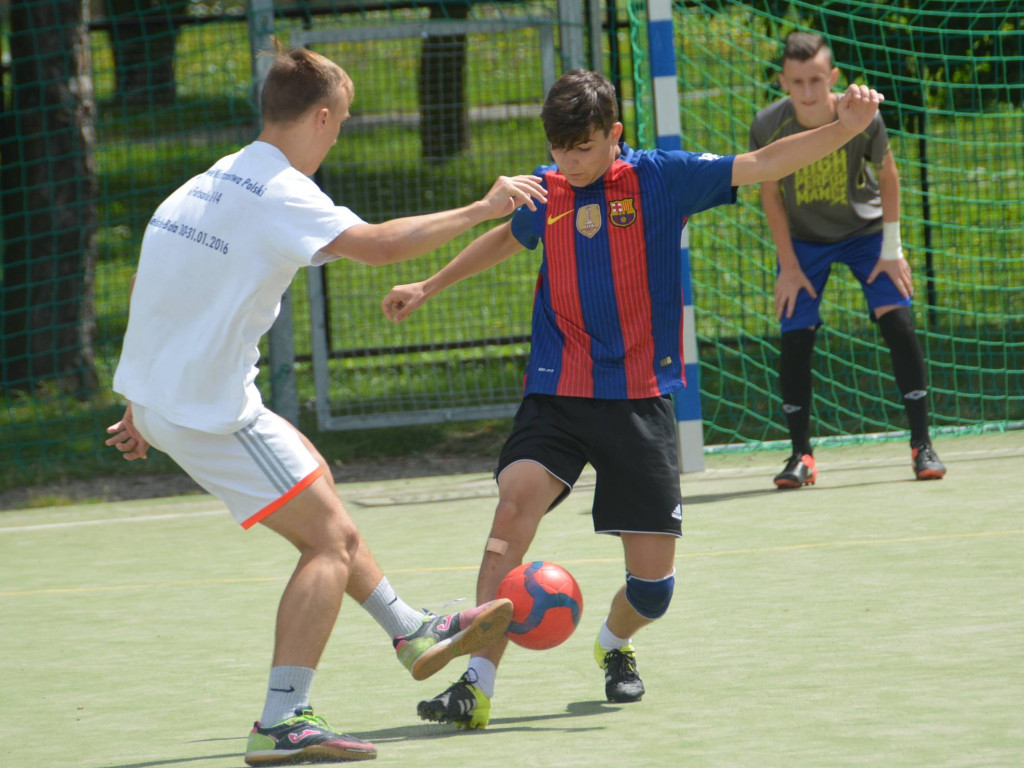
(546, 604)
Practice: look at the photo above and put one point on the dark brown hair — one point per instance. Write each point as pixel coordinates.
(299, 80)
(803, 46)
(577, 103)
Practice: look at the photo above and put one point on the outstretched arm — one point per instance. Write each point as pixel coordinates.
(483, 253)
(856, 110)
(412, 236)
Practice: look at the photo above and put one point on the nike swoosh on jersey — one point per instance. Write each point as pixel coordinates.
(553, 219)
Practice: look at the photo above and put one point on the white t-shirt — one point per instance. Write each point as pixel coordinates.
(216, 257)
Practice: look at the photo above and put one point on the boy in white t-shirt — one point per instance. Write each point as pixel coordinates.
(216, 257)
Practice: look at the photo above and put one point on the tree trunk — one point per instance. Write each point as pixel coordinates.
(143, 34)
(48, 200)
(444, 119)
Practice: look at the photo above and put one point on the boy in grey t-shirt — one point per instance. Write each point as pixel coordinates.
(843, 208)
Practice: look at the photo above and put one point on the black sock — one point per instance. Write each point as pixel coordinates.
(908, 366)
(795, 385)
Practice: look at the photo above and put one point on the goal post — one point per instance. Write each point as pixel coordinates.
(668, 135)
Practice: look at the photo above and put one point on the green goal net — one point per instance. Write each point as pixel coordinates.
(952, 73)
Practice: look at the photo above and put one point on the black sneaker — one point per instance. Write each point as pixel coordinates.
(622, 682)
(926, 462)
(800, 470)
(463, 704)
(305, 738)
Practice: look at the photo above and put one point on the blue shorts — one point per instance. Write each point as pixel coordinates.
(860, 254)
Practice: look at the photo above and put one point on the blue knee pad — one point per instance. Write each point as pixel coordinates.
(650, 597)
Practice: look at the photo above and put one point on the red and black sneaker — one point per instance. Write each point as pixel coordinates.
(305, 738)
(926, 462)
(800, 471)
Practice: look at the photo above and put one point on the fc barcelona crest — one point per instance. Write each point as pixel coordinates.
(588, 220)
(622, 213)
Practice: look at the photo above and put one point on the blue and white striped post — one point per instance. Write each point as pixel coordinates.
(661, 38)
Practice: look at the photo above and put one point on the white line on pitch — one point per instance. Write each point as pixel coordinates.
(141, 519)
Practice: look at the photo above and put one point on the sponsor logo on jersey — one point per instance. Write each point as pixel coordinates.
(553, 219)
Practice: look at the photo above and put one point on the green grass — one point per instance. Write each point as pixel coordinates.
(871, 620)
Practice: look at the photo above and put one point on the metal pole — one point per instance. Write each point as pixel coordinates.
(668, 130)
(284, 395)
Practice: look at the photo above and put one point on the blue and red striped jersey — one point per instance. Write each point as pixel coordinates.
(608, 306)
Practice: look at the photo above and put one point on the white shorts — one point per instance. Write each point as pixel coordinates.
(254, 470)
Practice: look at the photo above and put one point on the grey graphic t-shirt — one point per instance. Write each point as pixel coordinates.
(834, 198)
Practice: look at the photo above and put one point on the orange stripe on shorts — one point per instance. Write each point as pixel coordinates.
(268, 510)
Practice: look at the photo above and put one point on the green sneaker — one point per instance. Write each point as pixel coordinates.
(462, 703)
(441, 638)
(305, 738)
(622, 682)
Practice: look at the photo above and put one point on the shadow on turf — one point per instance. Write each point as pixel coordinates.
(179, 761)
(425, 731)
(421, 732)
(709, 498)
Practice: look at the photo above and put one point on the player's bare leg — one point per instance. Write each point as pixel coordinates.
(316, 523)
(648, 556)
(525, 492)
(424, 641)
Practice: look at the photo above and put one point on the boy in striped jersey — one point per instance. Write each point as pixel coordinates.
(606, 353)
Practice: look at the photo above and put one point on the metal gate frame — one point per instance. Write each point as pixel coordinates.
(315, 275)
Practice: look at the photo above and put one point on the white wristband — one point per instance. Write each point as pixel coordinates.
(892, 248)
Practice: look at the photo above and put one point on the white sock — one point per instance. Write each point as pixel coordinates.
(287, 690)
(485, 674)
(609, 641)
(394, 615)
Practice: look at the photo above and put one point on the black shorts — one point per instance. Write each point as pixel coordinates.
(630, 443)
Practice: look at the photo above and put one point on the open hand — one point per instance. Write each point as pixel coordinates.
(898, 271)
(787, 287)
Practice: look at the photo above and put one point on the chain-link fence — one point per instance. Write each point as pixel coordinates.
(109, 105)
